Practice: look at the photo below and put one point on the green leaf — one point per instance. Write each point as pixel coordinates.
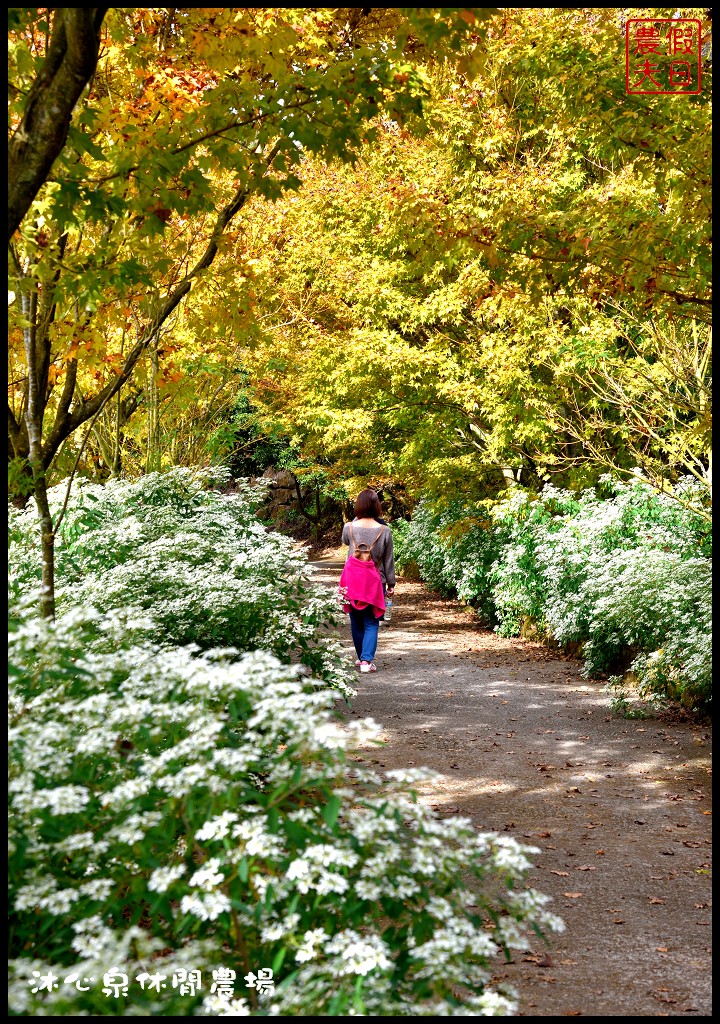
(278, 959)
(331, 810)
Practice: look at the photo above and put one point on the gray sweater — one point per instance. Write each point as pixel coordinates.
(382, 552)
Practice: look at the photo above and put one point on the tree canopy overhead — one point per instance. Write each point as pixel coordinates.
(407, 239)
(445, 309)
(189, 112)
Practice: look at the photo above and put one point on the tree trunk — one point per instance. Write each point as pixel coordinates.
(317, 513)
(34, 422)
(47, 597)
(116, 467)
(512, 476)
(152, 461)
(117, 442)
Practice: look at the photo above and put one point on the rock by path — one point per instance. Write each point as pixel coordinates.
(619, 808)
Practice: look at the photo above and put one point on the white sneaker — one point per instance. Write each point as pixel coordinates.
(357, 663)
(367, 666)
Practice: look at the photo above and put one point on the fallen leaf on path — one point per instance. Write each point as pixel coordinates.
(664, 998)
(572, 895)
(654, 899)
(568, 963)
(573, 1013)
(661, 949)
(690, 842)
(586, 867)
(563, 874)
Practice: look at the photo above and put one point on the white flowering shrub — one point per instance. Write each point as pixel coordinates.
(195, 564)
(173, 811)
(628, 577)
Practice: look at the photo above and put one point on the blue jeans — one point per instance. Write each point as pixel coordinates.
(365, 628)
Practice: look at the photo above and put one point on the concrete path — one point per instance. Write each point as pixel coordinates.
(620, 808)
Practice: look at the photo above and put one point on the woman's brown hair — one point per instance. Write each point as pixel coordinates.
(367, 504)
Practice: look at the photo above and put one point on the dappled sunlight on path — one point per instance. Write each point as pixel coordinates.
(618, 808)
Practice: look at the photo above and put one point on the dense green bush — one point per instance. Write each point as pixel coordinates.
(177, 809)
(627, 576)
(454, 548)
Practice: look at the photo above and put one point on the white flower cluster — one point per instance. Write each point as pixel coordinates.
(629, 573)
(185, 562)
(299, 861)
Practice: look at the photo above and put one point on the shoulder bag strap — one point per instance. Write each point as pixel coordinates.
(377, 538)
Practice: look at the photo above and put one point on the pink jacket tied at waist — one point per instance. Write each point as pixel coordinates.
(363, 586)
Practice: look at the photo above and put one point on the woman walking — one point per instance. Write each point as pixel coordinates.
(369, 575)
